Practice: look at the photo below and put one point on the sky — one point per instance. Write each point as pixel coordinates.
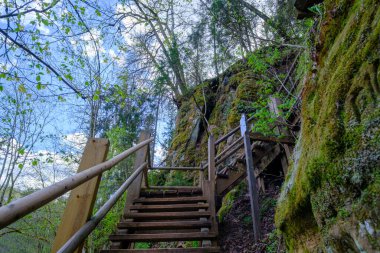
(65, 117)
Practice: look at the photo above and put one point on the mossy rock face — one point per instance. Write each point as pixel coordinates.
(331, 194)
(224, 98)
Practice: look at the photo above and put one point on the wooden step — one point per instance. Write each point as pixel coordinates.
(170, 191)
(166, 237)
(165, 225)
(168, 208)
(174, 250)
(168, 215)
(173, 200)
(178, 188)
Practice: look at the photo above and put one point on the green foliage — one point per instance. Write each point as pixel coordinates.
(247, 220)
(336, 176)
(230, 198)
(143, 245)
(266, 205)
(35, 232)
(261, 63)
(317, 9)
(100, 236)
(272, 244)
(178, 178)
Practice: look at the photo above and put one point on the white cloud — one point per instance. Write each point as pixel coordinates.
(41, 168)
(76, 140)
(132, 25)
(89, 38)
(120, 60)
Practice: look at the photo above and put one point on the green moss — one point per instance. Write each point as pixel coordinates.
(229, 199)
(340, 142)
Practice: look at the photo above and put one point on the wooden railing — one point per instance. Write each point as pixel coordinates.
(77, 222)
(244, 141)
(96, 149)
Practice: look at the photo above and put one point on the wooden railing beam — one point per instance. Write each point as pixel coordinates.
(228, 148)
(231, 152)
(233, 131)
(23, 206)
(176, 168)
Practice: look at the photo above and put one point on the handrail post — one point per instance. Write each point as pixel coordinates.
(251, 179)
(201, 176)
(145, 173)
(211, 159)
(82, 198)
(209, 187)
(134, 189)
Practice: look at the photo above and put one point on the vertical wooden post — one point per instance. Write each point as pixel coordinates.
(145, 172)
(253, 194)
(211, 159)
(201, 177)
(209, 187)
(81, 201)
(134, 189)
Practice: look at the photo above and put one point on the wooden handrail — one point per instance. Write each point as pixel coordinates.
(233, 151)
(149, 165)
(228, 148)
(23, 206)
(176, 168)
(224, 137)
(81, 235)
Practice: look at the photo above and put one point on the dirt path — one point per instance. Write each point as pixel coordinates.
(236, 233)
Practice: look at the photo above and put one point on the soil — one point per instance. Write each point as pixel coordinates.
(236, 232)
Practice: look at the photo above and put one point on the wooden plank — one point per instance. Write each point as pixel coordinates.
(180, 188)
(164, 224)
(134, 189)
(251, 180)
(145, 174)
(268, 158)
(81, 201)
(228, 148)
(209, 189)
(224, 185)
(168, 208)
(167, 250)
(171, 200)
(170, 192)
(166, 237)
(201, 176)
(231, 152)
(233, 131)
(168, 215)
(176, 168)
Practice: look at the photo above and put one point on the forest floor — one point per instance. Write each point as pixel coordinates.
(236, 232)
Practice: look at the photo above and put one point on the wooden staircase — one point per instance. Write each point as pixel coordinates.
(158, 216)
(156, 213)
